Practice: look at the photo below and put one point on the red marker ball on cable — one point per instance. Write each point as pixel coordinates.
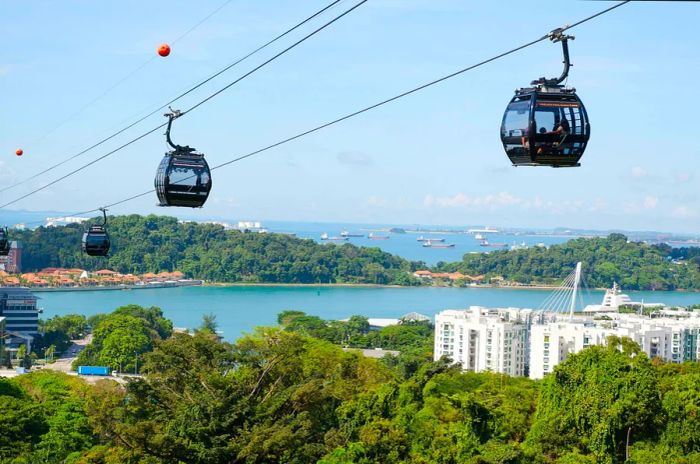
(19, 152)
(164, 50)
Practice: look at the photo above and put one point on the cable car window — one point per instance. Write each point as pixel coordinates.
(95, 240)
(184, 176)
(515, 122)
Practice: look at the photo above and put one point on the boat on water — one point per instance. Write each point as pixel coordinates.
(373, 236)
(433, 240)
(486, 243)
(325, 236)
(614, 299)
(430, 244)
(347, 234)
(478, 236)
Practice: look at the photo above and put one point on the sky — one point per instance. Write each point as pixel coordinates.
(434, 157)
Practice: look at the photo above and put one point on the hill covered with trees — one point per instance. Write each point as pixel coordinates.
(635, 266)
(281, 396)
(207, 251)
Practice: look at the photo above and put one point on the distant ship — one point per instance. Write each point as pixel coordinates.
(372, 236)
(614, 298)
(434, 240)
(486, 230)
(325, 236)
(430, 244)
(486, 243)
(478, 236)
(345, 233)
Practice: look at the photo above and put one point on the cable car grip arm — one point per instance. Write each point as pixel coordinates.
(557, 35)
(104, 214)
(172, 115)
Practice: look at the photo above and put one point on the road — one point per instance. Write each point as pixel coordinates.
(64, 363)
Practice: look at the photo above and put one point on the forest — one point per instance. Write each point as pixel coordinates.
(142, 244)
(282, 395)
(634, 265)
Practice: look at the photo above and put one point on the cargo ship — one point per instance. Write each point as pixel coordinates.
(430, 244)
(434, 240)
(347, 234)
(326, 237)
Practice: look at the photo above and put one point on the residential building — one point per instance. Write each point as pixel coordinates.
(522, 342)
(483, 339)
(18, 307)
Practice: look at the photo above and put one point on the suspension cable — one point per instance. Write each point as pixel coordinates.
(218, 92)
(129, 75)
(181, 95)
(363, 110)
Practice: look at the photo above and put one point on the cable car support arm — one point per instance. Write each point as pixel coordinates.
(557, 35)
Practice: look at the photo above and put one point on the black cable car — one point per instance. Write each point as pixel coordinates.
(95, 238)
(183, 177)
(4, 242)
(547, 124)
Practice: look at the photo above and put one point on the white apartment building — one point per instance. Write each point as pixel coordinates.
(522, 342)
(552, 342)
(483, 339)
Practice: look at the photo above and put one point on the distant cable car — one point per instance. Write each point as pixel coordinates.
(183, 177)
(95, 238)
(4, 242)
(546, 125)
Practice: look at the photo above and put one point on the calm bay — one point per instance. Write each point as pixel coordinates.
(240, 309)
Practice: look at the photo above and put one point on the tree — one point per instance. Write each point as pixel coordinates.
(209, 323)
(593, 399)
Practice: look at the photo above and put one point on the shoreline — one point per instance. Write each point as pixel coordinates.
(202, 283)
(111, 288)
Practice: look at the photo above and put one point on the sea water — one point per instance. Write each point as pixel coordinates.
(240, 309)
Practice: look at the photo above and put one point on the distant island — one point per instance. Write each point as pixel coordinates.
(152, 245)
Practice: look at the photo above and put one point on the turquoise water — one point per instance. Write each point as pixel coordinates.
(241, 309)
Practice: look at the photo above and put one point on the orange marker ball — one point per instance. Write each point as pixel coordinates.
(19, 152)
(164, 50)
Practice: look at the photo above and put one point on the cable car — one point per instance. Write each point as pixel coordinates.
(547, 124)
(4, 242)
(183, 177)
(95, 238)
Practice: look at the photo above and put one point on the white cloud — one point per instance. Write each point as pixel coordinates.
(460, 200)
(682, 212)
(650, 202)
(683, 177)
(639, 173)
(376, 201)
(505, 201)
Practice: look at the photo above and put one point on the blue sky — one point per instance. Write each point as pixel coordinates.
(431, 158)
